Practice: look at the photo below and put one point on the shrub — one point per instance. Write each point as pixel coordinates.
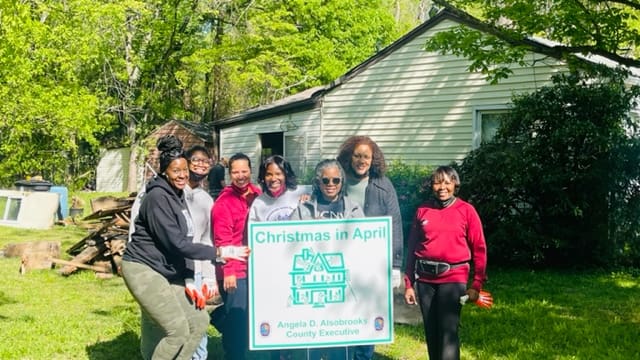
(559, 184)
(408, 180)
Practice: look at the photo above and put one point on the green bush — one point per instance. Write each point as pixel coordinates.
(408, 180)
(559, 184)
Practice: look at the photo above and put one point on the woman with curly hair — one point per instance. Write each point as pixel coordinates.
(368, 186)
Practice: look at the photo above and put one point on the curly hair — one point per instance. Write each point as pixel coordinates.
(378, 165)
(290, 178)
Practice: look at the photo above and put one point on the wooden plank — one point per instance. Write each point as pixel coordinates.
(85, 256)
(107, 212)
(80, 244)
(81, 265)
(108, 202)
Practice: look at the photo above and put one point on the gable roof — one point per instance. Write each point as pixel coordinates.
(312, 98)
(201, 131)
(307, 99)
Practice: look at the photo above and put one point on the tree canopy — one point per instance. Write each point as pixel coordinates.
(606, 28)
(79, 74)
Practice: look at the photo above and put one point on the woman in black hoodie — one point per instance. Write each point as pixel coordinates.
(158, 258)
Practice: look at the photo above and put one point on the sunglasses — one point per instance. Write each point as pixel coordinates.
(334, 181)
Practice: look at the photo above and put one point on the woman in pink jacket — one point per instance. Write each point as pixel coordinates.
(445, 241)
(229, 215)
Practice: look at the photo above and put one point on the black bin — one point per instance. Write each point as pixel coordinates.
(33, 185)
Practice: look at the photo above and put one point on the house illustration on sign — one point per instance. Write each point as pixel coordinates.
(318, 278)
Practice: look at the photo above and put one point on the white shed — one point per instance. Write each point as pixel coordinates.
(113, 170)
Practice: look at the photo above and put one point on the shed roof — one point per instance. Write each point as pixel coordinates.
(307, 99)
(202, 131)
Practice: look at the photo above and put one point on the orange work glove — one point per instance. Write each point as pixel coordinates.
(194, 294)
(485, 300)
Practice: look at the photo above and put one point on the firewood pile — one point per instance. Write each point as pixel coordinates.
(101, 250)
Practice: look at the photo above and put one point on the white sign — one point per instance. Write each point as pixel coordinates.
(320, 283)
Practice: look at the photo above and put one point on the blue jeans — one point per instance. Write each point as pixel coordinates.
(361, 352)
(201, 352)
(333, 353)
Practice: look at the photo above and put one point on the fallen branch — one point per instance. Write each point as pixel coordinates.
(81, 265)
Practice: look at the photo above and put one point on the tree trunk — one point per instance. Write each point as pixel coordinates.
(132, 181)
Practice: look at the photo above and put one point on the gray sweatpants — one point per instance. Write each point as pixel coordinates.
(168, 307)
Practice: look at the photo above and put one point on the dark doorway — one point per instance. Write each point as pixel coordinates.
(272, 144)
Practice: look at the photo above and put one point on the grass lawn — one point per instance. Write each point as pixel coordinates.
(536, 315)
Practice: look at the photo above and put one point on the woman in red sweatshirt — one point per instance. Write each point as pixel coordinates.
(445, 241)
(229, 216)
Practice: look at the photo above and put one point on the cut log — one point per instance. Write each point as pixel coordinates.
(18, 249)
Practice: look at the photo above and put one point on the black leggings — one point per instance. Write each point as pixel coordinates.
(440, 306)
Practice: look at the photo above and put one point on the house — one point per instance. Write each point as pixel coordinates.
(318, 278)
(420, 107)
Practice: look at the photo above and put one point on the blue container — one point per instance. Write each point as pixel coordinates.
(63, 207)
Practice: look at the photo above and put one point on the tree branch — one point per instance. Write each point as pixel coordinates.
(557, 51)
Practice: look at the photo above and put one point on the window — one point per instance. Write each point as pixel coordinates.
(9, 208)
(486, 121)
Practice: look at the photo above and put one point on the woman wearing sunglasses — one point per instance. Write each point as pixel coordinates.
(328, 200)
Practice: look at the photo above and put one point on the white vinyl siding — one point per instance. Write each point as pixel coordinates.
(301, 139)
(418, 106)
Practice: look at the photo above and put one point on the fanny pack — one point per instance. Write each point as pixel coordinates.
(435, 268)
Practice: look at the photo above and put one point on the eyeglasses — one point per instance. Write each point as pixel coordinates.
(200, 160)
(334, 181)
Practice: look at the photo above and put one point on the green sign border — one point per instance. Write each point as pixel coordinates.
(293, 223)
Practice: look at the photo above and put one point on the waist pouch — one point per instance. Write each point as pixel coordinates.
(435, 268)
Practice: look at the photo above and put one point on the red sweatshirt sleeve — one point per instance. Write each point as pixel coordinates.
(225, 232)
(478, 247)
